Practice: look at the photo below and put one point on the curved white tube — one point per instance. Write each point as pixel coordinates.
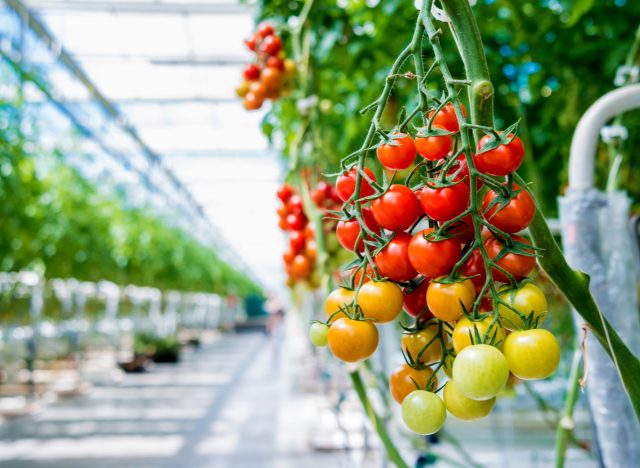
(585, 139)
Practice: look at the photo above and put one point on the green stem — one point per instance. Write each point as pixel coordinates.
(566, 423)
(392, 451)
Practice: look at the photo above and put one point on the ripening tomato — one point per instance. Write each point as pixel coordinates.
(318, 334)
(516, 264)
(473, 268)
(398, 154)
(297, 240)
(464, 333)
(393, 261)
(300, 267)
(447, 119)
(449, 301)
(271, 45)
(512, 217)
(284, 193)
(252, 101)
(251, 72)
(445, 203)
(462, 407)
(405, 379)
(528, 301)
(251, 43)
(349, 230)
(296, 221)
(532, 354)
(430, 258)
(380, 301)
(352, 340)
(434, 147)
(397, 209)
(264, 30)
(311, 250)
(243, 89)
(289, 255)
(480, 371)
(338, 301)
(275, 62)
(257, 88)
(346, 184)
(423, 412)
(415, 301)
(502, 160)
(424, 346)
(270, 78)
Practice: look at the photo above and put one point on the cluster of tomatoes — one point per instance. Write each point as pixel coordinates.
(475, 313)
(301, 254)
(270, 74)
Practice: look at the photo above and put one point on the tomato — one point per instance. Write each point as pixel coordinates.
(433, 259)
(447, 119)
(445, 203)
(423, 346)
(318, 334)
(296, 222)
(399, 154)
(517, 264)
(448, 363)
(480, 371)
(348, 231)
(338, 299)
(528, 300)
(416, 300)
(271, 45)
(271, 78)
(423, 412)
(463, 230)
(346, 184)
(289, 255)
(358, 275)
(311, 250)
(251, 43)
(532, 354)
(380, 301)
(514, 216)
(252, 101)
(464, 333)
(499, 161)
(295, 204)
(289, 67)
(275, 62)
(243, 89)
(264, 30)
(321, 192)
(300, 267)
(284, 193)
(251, 72)
(393, 261)
(462, 407)
(297, 240)
(352, 340)
(448, 301)
(405, 379)
(474, 269)
(434, 147)
(397, 209)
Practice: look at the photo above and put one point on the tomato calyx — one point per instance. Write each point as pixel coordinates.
(499, 138)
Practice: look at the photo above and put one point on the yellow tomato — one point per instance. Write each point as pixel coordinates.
(446, 301)
(338, 301)
(405, 379)
(380, 301)
(463, 407)
(532, 354)
(352, 340)
(464, 333)
(424, 346)
(527, 300)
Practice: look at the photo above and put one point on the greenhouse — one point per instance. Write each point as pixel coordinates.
(311, 233)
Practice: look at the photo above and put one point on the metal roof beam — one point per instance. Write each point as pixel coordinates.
(138, 7)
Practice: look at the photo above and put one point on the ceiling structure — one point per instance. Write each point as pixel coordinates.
(170, 67)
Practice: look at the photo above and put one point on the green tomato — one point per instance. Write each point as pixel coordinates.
(532, 354)
(423, 412)
(462, 407)
(318, 333)
(527, 300)
(480, 371)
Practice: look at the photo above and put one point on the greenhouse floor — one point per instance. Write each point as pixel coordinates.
(236, 402)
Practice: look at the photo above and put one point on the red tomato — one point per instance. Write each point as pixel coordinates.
(346, 184)
(288, 256)
(462, 230)
(399, 154)
(415, 301)
(397, 209)
(251, 43)
(514, 216)
(271, 45)
(434, 147)
(275, 62)
(251, 72)
(284, 193)
(295, 204)
(445, 203)
(502, 160)
(358, 275)
(264, 30)
(433, 259)
(446, 118)
(393, 260)
(474, 269)
(300, 267)
(348, 231)
(518, 265)
(296, 221)
(297, 239)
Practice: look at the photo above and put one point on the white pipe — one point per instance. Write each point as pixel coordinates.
(585, 139)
